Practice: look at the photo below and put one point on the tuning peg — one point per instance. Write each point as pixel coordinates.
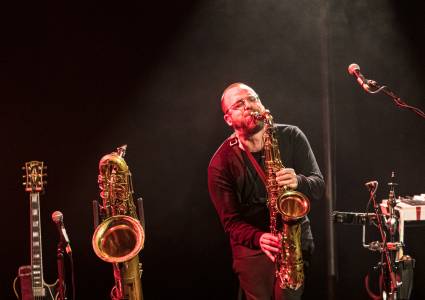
(44, 182)
(23, 168)
(24, 183)
(44, 167)
(24, 176)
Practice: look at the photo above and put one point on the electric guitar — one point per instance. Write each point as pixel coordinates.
(31, 277)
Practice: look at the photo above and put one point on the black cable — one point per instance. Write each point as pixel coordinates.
(72, 275)
(397, 100)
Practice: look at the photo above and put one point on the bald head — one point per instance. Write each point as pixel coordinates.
(231, 90)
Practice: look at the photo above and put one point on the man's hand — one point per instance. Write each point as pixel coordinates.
(270, 245)
(287, 177)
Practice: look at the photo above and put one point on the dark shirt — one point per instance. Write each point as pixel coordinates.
(239, 195)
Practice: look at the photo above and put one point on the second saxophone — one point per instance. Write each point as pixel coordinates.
(120, 236)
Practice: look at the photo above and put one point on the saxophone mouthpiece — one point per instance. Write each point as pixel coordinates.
(256, 115)
(264, 116)
(121, 150)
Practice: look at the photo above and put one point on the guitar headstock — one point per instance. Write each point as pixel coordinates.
(34, 176)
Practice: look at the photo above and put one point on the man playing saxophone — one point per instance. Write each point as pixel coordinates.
(240, 195)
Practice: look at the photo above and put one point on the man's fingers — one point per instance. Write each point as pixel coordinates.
(270, 244)
(287, 177)
(285, 172)
(269, 255)
(271, 248)
(269, 236)
(272, 239)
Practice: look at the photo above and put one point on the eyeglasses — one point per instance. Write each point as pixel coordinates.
(240, 104)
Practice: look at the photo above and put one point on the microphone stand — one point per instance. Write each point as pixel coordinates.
(392, 221)
(385, 250)
(61, 270)
(397, 100)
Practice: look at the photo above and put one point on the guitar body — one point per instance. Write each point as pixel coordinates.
(25, 280)
(31, 279)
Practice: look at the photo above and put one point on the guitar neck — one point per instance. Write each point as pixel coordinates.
(36, 249)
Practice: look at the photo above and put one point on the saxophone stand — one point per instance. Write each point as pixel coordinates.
(61, 271)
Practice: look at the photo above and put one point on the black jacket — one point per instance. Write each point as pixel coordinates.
(240, 197)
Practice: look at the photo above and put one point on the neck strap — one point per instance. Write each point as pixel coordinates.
(254, 162)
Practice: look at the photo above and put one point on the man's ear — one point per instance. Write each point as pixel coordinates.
(228, 120)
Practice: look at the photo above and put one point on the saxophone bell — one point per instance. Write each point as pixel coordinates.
(118, 239)
(292, 205)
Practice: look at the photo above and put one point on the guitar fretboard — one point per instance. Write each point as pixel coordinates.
(36, 250)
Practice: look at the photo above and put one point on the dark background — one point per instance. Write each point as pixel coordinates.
(79, 80)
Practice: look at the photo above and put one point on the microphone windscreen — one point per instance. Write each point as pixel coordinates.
(57, 216)
(352, 68)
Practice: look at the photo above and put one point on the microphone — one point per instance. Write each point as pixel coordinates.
(372, 186)
(354, 69)
(57, 217)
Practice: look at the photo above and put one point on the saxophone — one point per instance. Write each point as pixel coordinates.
(120, 236)
(286, 204)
